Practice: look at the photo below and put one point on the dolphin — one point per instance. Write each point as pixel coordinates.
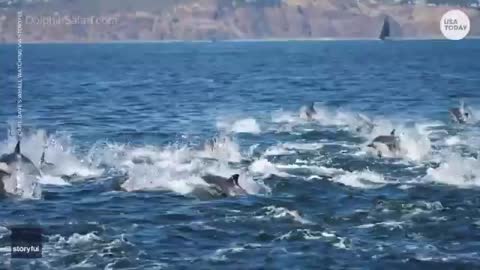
(17, 158)
(391, 141)
(225, 186)
(310, 111)
(459, 114)
(9, 163)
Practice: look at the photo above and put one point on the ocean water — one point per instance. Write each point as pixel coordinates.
(125, 126)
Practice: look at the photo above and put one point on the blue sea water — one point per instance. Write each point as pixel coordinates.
(126, 125)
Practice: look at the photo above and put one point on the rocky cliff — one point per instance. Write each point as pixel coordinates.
(93, 21)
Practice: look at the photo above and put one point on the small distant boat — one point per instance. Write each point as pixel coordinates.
(385, 33)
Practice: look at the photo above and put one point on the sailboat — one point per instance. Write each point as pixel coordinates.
(385, 33)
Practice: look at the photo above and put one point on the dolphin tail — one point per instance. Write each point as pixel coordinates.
(17, 148)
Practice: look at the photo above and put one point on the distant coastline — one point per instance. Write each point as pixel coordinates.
(266, 40)
(213, 20)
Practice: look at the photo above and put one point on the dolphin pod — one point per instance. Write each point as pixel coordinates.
(11, 162)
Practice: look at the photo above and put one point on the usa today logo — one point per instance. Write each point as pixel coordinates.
(455, 25)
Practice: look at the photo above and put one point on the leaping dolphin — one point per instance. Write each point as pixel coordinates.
(391, 141)
(225, 186)
(459, 114)
(9, 163)
(310, 111)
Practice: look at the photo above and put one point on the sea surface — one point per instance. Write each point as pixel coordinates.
(129, 128)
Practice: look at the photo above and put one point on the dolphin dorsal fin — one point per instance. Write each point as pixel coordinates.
(42, 159)
(234, 178)
(17, 148)
(393, 132)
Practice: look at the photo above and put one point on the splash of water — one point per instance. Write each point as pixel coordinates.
(456, 170)
(266, 168)
(247, 125)
(222, 148)
(59, 150)
(361, 179)
(175, 168)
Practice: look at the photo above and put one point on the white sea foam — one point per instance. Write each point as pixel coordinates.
(75, 240)
(390, 224)
(247, 125)
(222, 148)
(301, 233)
(285, 117)
(222, 253)
(456, 170)
(307, 234)
(175, 168)
(475, 114)
(417, 208)
(325, 116)
(361, 179)
(53, 180)
(265, 168)
(334, 117)
(453, 140)
(59, 151)
(278, 151)
(415, 144)
(319, 170)
(281, 212)
(22, 185)
(291, 148)
(303, 146)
